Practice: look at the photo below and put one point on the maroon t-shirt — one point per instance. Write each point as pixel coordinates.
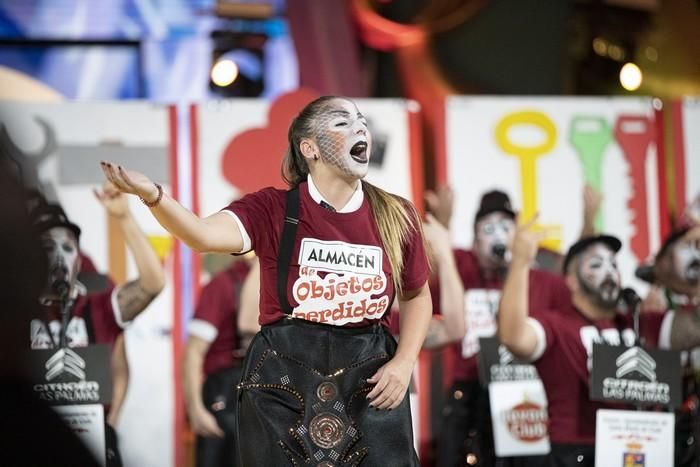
(482, 295)
(395, 315)
(218, 307)
(564, 366)
(339, 272)
(93, 321)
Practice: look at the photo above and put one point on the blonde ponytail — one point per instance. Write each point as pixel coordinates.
(396, 219)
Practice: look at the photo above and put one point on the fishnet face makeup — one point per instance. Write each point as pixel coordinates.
(599, 276)
(343, 139)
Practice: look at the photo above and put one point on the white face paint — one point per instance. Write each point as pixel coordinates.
(61, 248)
(598, 274)
(343, 138)
(686, 261)
(493, 239)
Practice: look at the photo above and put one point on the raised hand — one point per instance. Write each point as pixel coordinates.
(526, 241)
(592, 200)
(129, 181)
(439, 203)
(437, 237)
(113, 200)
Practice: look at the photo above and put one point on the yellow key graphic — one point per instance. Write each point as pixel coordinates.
(528, 155)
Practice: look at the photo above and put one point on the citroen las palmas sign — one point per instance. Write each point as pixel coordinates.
(635, 375)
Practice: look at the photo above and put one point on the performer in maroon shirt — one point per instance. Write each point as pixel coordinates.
(100, 317)
(560, 343)
(212, 366)
(466, 427)
(96, 318)
(334, 251)
(675, 273)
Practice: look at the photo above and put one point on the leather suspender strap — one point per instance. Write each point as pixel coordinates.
(284, 258)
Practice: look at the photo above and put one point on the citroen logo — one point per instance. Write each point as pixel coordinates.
(65, 361)
(636, 359)
(504, 356)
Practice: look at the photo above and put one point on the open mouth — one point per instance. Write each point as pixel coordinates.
(358, 152)
(693, 272)
(608, 287)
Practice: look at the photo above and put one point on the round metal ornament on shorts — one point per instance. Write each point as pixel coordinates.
(326, 430)
(327, 391)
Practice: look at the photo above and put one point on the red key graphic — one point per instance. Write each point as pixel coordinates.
(634, 134)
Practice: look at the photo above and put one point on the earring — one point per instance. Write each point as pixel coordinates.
(315, 157)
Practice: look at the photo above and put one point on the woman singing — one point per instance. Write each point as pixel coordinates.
(323, 381)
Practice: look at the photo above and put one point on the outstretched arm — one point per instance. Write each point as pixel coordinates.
(451, 327)
(218, 233)
(134, 296)
(513, 328)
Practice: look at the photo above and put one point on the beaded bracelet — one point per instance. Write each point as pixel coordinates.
(158, 198)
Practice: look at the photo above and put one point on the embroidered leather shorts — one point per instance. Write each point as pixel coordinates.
(302, 399)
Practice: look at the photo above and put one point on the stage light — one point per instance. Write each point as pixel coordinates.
(630, 76)
(224, 72)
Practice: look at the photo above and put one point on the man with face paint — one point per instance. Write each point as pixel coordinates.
(560, 343)
(96, 318)
(676, 271)
(109, 310)
(466, 429)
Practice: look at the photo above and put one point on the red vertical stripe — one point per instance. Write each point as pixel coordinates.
(178, 409)
(662, 174)
(194, 152)
(415, 136)
(678, 157)
(415, 147)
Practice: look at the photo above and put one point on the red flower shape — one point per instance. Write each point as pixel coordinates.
(253, 158)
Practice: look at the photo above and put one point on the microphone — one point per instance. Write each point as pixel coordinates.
(61, 288)
(630, 297)
(646, 273)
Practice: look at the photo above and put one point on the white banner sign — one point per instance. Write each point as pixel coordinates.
(689, 147)
(626, 438)
(519, 416)
(541, 151)
(88, 423)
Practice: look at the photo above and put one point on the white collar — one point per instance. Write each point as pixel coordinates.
(352, 205)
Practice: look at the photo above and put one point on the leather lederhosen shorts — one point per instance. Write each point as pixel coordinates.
(302, 399)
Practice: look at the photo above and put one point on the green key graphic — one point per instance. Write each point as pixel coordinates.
(590, 137)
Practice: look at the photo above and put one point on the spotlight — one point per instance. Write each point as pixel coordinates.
(238, 59)
(630, 76)
(224, 72)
